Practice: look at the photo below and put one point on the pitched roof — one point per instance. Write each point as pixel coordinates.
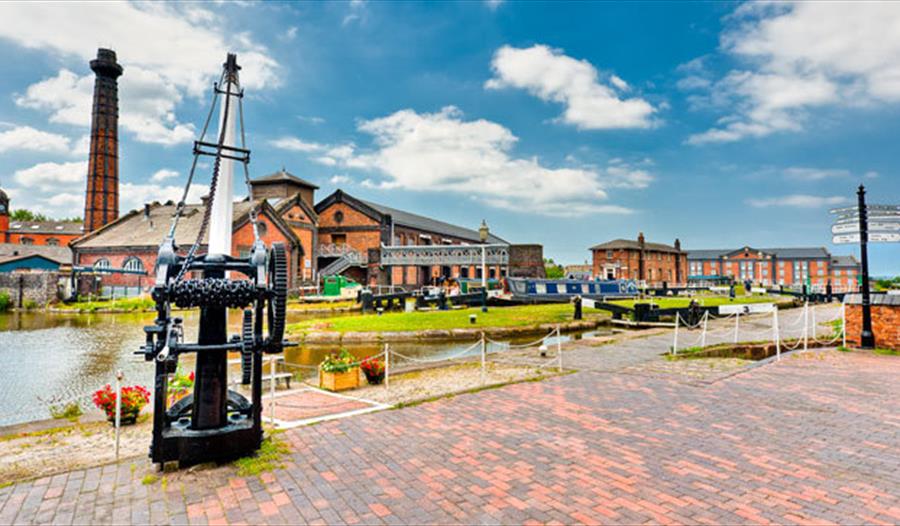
(844, 261)
(631, 244)
(12, 251)
(282, 176)
(401, 217)
(782, 253)
(137, 230)
(46, 227)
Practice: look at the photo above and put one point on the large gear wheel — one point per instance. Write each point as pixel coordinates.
(278, 286)
(248, 347)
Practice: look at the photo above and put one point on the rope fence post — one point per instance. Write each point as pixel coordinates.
(675, 339)
(559, 348)
(844, 323)
(703, 336)
(814, 325)
(119, 377)
(483, 359)
(806, 326)
(776, 334)
(737, 326)
(387, 365)
(272, 388)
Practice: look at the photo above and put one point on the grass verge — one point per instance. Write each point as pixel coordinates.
(141, 304)
(267, 458)
(704, 301)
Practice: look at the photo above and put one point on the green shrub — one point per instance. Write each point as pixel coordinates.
(29, 304)
(4, 301)
(70, 411)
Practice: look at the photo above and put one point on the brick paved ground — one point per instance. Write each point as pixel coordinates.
(812, 439)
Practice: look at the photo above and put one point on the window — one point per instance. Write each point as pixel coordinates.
(52, 241)
(609, 254)
(338, 217)
(26, 241)
(102, 263)
(339, 239)
(134, 264)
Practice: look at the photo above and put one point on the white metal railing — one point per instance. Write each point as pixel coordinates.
(412, 255)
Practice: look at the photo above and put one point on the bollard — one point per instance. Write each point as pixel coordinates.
(703, 336)
(578, 313)
(119, 377)
(675, 341)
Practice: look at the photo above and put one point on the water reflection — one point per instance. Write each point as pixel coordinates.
(55, 357)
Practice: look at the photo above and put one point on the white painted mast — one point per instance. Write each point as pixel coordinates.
(223, 201)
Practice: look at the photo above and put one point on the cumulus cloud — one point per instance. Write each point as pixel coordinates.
(801, 56)
(798, 201)
(443, 152)
(339, 179)
(26, 138)
(52, 177)
(590, 103)
(295, 144)
(133, 196)
(168, 51)
(161, 175)
(815, 174)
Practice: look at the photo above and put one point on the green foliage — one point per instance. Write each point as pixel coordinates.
(739, 290)
(149, 479)
(340, 362)
(555, 271)
(22, 214)
(844, 349)
(837, 327)
(887, 284)
(887, 352)
(4, 301)
(70, 411)
(519, 316)
(29, 304)
(267, 458)
(141, 304)
(704, 301)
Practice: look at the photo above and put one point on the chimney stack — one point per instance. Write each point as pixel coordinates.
(101, 205)
(677, 244)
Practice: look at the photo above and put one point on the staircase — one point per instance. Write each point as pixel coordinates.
(345, 261)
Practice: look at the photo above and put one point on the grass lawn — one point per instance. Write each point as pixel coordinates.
(143, 303)
(520, 316)
(320, 305)
(705, 301)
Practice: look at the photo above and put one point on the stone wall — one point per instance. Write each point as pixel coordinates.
(25, 287)
(885, 320)
(526, 261)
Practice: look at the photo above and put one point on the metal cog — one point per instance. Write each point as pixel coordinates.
(248, 341)
(278, 283)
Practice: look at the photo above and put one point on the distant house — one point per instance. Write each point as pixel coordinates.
(50, 233)
(15, 257)
(640, 260)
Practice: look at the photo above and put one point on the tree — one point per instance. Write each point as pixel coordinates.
(22, 214)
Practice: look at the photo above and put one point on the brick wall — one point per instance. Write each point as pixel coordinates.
(885, 325)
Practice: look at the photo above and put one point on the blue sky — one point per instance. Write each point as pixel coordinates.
(565, 124)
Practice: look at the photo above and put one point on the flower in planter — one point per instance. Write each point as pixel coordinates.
(373, 367)
(340, 362)
(134, 398)
(180, 385)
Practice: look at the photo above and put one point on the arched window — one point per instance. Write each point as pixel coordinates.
(26, 241)
(52, 241)
(134, 264)
(101, 263)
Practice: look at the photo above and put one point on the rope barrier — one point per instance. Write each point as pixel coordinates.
(441, 359)
(522, 345)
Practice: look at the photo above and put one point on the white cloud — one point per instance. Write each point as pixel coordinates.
(289, 35)
(53, 177)
(339, 179)
(168, 50)
(26, 138)
(801, 56)
(312, 119)
(356, 13)
(295, 144)
(553, 76)
(493, 4)
(441, 152)
(162, 175)
(815, 174)
(133, 196)
(798, 201)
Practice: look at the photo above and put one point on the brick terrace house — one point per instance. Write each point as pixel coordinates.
(132, 241)
(776, 266)
(50, 233)
(351, 225)
(640, 260)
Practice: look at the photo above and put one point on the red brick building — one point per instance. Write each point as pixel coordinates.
(813, 266)
(132, 241)
(50, 233)
(640, 260)
(350, 225)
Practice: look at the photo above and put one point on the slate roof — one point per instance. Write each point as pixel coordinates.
(619, 244)
(874, 299)
(411, 220)
(136, 230)
(781, 253)
(844, 261)
(12, 251)
(46, 227)
(284, 176)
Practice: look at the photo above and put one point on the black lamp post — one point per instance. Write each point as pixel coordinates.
(483, 233)
(866, 336)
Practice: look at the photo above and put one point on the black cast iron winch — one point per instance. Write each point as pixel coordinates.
(215, 423)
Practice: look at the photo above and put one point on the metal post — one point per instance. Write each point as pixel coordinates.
(814, 325)
(119, 377)
(559, 348)
(844, 324)
(272, 388)
(675, 341)
(866, 336)
(737, 325)
(387, 365)
(483, 358)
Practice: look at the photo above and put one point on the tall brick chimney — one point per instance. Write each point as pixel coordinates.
(101, 203)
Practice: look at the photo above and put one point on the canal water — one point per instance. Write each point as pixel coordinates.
(49, 358)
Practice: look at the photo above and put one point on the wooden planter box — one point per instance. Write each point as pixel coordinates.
(339, 381)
